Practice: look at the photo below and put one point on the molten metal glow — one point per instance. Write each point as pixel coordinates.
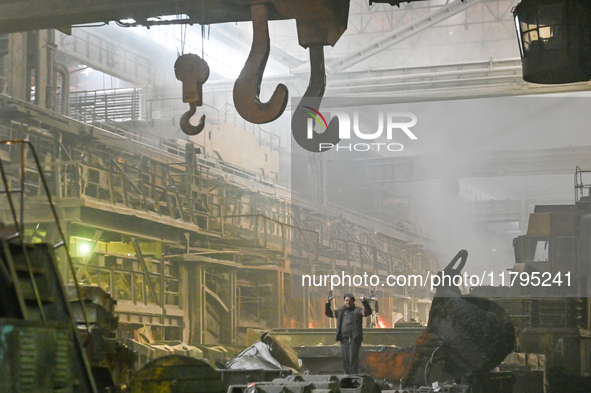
(381, 323)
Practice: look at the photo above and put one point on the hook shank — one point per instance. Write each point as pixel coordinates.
(193, 71)
(248, 85)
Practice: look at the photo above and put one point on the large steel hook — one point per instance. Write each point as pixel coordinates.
(193, 71)
(248, 85)
(307, 110)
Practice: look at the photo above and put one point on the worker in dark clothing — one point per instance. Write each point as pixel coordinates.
(349, 328)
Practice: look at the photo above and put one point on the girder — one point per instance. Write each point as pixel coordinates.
(558, 161)
(43, 14)
(401, 34)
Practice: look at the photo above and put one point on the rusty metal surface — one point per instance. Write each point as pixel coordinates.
(318, 22)
(284, 354)
(389, 363)
(177, 374)
(91, 294)
(95, 314)
(248, 85)
(328, 359)
(465, 335)
(192, 71)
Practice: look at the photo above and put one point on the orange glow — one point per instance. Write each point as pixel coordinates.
(310, 325)
(381, 323)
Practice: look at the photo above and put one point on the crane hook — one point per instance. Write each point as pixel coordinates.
(248, 85)
(193, 71)
(311, 101)
(185, 124)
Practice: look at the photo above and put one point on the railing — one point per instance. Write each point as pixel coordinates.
(363, 219)
(355, 254)
(261, 231)
(264, 138)
(267, 139)
(129, 285)
(266, 232)
(101, 105)
(177, 148)
(113, 185)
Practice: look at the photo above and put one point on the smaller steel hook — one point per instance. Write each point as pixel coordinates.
(248, 85)
(186, 126)
(193, 71)
(309, 106)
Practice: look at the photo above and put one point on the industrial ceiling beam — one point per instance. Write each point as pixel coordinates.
(244, 39)
(492, 78)
(401, 34)
(558, 161)
(29, 15)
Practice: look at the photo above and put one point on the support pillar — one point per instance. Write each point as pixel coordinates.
(305, 307)
(233, 309)
(193, 298)
(280, 297)
(41, 77)
(17, 66)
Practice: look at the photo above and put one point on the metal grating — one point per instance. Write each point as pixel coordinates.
(102, 105)
(28, 361)
(63, 372)
(38, 358)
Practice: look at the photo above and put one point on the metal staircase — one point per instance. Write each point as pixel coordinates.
(40, 349)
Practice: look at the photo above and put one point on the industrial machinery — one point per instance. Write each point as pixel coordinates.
(465, 335)
(553, 316)
(40, 349)
(312, 384)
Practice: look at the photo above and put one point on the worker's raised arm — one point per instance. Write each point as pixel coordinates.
(366, 306)
(327, 309)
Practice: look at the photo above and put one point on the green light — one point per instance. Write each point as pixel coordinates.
(84, 248)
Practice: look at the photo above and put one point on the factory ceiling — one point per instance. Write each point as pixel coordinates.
(439, 48)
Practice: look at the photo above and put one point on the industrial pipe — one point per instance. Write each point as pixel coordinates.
(62, 69)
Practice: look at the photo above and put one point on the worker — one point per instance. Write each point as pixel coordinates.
(349, 328)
